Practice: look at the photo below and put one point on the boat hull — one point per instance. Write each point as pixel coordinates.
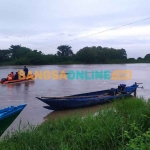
(21, 78)
(75, 104)
(8, 115)
(16, 81)
(4, 124)
(86, 99)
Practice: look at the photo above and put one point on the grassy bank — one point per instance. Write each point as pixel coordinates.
(124, 127)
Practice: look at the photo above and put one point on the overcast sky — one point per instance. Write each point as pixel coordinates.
(44, 25)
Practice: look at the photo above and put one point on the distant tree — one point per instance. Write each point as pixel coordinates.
(5, 55)
(64, 50)
(101, 55)
(19, 55)
(131, 60)
(139, 58)
(18, 51)
(86, 55)
(14, 49)
(35, 57)
(123, 54)
(147, 57)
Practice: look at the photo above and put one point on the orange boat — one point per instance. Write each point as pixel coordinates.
(21, 78)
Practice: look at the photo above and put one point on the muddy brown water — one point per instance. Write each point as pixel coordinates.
(20, 93)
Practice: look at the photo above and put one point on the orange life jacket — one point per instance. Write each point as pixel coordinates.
(12, 75)
(9, 78)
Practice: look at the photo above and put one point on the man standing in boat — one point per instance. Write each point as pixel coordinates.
(26, 71)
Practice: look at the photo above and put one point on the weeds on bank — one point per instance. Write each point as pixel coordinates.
(124, 127)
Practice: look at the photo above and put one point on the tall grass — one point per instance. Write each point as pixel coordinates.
(111, 129)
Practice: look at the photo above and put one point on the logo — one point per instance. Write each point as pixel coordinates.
(84, 75)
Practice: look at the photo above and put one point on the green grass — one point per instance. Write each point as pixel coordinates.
(124, 127)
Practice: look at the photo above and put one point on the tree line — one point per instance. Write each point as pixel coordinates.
(19, 55)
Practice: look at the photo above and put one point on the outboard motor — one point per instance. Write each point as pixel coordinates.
(121, 88)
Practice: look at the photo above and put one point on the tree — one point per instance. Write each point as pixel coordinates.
(101, 55)
(5, 55)
(139, 58)
(18, 51)
(35, 57)
(14, 49)
(147, 57)
(86, 55)
(131, 60)
(64, 50)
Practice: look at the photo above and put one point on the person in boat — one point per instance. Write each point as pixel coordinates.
(16, 76)
(26, 71)
(12, 74)
(3, 80)
(10, 77)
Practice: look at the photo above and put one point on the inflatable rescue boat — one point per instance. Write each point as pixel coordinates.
(21, 78)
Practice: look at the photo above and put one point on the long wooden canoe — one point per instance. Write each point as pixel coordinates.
(88, 99)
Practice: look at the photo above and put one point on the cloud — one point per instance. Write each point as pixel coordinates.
(44, 25)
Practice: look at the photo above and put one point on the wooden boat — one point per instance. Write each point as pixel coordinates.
(8, 115)
(88, 99)
(21, 78)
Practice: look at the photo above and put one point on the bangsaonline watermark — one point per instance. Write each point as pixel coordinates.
(84, 75)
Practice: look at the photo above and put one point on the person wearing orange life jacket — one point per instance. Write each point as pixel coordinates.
(10, 76)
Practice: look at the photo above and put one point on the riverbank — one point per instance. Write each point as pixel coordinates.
(74, 63)
(125, 126)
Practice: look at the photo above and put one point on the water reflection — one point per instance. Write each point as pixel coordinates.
(28, 84)
(10, 86)
(80, 111)
(18, 85)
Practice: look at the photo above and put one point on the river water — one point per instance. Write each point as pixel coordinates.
(20, 93)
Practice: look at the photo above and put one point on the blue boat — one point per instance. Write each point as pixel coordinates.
(8, 115)
(88, 99)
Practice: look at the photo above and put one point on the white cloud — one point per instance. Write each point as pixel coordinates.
(40, 24)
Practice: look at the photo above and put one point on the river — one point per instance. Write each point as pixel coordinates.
(20, 93)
